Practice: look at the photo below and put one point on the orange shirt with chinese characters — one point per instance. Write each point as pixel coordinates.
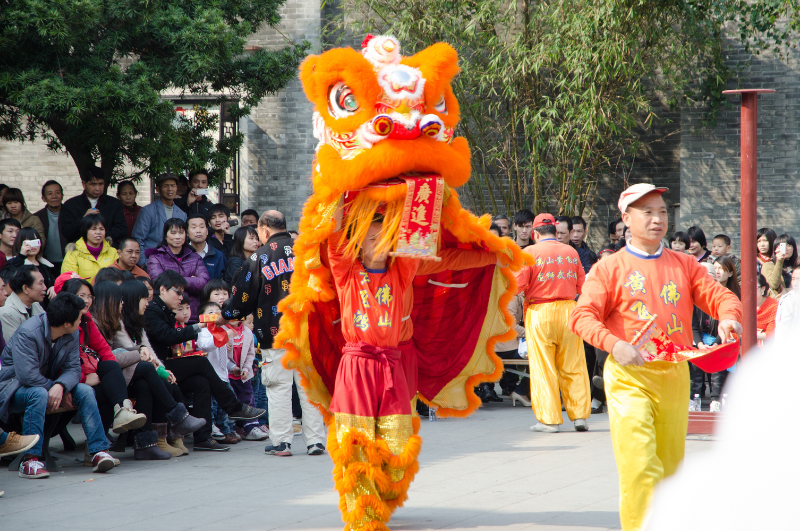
(371, 300)
(452, 259)
(556, 275)
(628, 288)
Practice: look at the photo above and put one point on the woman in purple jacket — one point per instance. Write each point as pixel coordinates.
(174, 254)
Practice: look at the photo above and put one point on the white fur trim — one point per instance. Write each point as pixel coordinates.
(382, 50)
(402, 82)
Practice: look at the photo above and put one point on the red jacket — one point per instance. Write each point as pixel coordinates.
(95, 350)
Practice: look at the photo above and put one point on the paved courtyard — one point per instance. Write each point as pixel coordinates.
(485, 472)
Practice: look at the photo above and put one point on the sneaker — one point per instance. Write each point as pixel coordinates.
(256, 435)
(284, 449)
(264, 428)
(316, 449)
(126, 418)
(239, 432)
(16, 443)
(32, 468)
(88, 458)
(247, 413)
(544, 427)
(715, 406)
(581, 425)
(297, 421)
(216, 433)
(102, 462)
(210, 445)
(597, 380)
(597, 407)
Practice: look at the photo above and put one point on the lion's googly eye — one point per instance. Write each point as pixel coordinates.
(441, 107)
(342, 101)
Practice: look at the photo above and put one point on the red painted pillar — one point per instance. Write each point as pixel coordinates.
(749, 161)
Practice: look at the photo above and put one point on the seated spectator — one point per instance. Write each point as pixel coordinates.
(218, 215)
(245, 243)
(195, 374)
(173, 254)
(129, 257)
(27, 293)
(53, 196)
(111, 274)
(92, 251)
(216, 291)
(100, 369)
(503, 224)
(14, 204)
(765, 245)
(157, 397)
(616, 231)
(40, 373)
(214, 260)
(9, 227)
(148, 283)
(787, 319)
(767, 310)
(523, 227)
(192, 202)
(698, 244)
(149, 227)
(25, 253)
(248, 217)
(3, 299)
(778, 271)
(679, 241)
(126, 194)
(95, 201)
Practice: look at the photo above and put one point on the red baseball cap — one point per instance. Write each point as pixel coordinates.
(635, 192)
(544, 219)
(63, 278)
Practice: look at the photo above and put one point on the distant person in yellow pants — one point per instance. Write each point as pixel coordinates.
(648, 403)
(555, 353)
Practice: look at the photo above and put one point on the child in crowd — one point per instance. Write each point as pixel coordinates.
(222, 429)
(679, 242)
(216, 291)
(721, 247)
(242, 352)
(259, 390)
(182, 315)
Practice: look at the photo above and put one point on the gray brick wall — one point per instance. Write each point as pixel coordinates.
(710, 163)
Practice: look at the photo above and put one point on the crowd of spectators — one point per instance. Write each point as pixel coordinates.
(100, 306)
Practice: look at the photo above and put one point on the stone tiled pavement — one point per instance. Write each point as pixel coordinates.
(485, 472)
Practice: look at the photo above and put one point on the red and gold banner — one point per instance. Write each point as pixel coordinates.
(654, 344)
(418, 237)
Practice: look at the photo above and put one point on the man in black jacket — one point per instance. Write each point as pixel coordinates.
(191, 202)
(194, 374)
(262, 282)
(94, 200)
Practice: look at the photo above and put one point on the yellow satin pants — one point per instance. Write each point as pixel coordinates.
(557, 362)
(648, 408)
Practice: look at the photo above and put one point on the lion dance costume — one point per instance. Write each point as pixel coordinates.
(386, 129)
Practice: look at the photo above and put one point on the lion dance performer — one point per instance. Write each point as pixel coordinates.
(648, 402)
(398, 293)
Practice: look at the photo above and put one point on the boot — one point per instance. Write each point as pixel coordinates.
(161, 432)
(490, 394)
(182, 423)
(481, 393)
(146, 447)
(126, 418)
(175, 440)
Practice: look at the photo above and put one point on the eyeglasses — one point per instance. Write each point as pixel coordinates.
(179, 292)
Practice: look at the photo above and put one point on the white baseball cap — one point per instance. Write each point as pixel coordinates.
(634, 192)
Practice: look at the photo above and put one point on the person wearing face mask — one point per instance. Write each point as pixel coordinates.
(149, 227)
(92, 251)
(174, 254)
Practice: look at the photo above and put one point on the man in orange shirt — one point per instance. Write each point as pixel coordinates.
(555, 353)
(647, 402)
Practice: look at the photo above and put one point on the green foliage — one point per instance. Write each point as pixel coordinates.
(88, 77)
(555, 93)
